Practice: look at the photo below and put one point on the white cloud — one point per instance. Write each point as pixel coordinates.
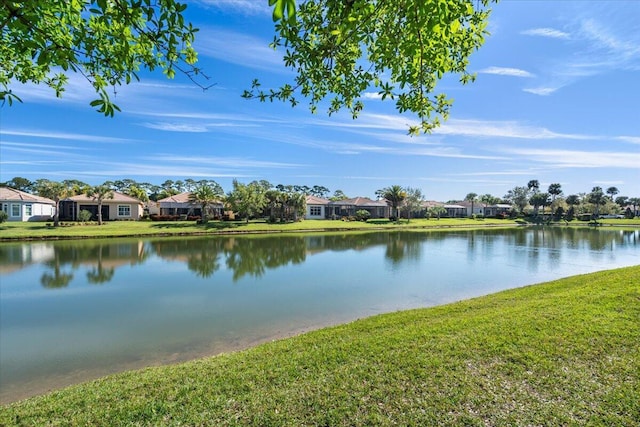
(240, 49)
(631, 139)
(372, 95)
(64, 135)
(244, 7)
(501, 129)
(176, 127)
(579, 159)
(598, 46)
(503, 71)
(231, 162)
(542, 91)
(546, 32)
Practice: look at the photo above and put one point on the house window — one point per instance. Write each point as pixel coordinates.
(124, 210)
(315, 210)
(5, 207)
(15, 210)
(28, 210)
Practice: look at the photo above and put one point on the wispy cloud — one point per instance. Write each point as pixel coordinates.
(65, 135)
(230, 162)
(372, 95)
(240, 49)
(578, 159)
(177, 127)
(542, 91)
(631, 139)
(598, 47)
(502, 129)
(244, 7)
(546, 32)
(504, 71)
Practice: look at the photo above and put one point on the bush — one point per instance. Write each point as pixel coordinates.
(3, 216)
(84, 216)
(363, 215)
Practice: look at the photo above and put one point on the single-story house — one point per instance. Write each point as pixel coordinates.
(316, 207)
(348, 207)
(21, 206)
(120, 207)
(179, 204)
(497, 210)
(455, 211)
(478, 207)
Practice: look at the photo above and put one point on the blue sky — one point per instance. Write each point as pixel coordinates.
(556, 99)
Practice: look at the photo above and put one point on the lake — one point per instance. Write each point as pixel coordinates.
(76, 310)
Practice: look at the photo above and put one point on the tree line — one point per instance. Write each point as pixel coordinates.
(287, 202)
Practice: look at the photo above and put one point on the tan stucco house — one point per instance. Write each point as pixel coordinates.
(120, 207)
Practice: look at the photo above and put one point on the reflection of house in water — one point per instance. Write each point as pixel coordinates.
(14, 257)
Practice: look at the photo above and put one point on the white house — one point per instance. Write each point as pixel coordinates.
(478, 207)
(316, 207)
(21, 206)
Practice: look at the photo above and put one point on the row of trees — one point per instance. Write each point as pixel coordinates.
(596, 202)
(287, 202)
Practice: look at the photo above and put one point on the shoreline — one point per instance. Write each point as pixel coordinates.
(271, 229)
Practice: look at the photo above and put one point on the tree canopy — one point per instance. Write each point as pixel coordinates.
(338, 49)
(106, 41)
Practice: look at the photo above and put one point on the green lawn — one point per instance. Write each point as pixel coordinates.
(40, 230)
(561, 353)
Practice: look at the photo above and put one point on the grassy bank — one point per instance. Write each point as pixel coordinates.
(562, 353)
(40, 230)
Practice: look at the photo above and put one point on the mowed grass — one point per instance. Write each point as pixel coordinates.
(561, 353)
(40, 230)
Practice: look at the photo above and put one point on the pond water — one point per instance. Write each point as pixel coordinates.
(75, 310)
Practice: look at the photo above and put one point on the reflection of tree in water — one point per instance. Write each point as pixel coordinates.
(253, 256)
(100, 274)
(93, 253)
(56, 278)
(201, 254)
(403, 246)
(205, 261)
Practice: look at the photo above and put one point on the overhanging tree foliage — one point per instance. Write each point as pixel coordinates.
(107, 41)
(339, 49)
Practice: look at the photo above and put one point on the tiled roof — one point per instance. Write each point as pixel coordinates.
(117, 198)
(313, 200)
(176, 198)
(182, 198)
(11, 194)
(360, 201)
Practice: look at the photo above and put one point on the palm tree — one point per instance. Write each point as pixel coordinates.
(554, 190)
(394, 196)
(55, 191)
(598, 198)
(437, 211)
(612, 191)
(489, 199)
(204, 195)
(471, 197)
(533, 186)
(99, 193)
(634, 201)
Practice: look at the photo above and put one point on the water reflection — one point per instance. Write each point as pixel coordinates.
(152, 306)
(254, 256)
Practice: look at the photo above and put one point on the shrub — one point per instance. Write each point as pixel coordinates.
(3, 216)
(363, 215)
(84, 216)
